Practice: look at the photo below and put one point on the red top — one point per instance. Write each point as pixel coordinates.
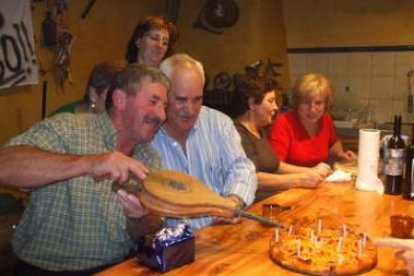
(293, 145)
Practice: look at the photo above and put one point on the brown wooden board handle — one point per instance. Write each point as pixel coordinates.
(242, 213)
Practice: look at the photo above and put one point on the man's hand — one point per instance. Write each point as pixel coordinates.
(406, 250)
(239, 204)
(139, 221)
(131, 204)
(115, 165)
(218, 220)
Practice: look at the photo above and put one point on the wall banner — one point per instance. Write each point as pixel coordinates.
(18, 65)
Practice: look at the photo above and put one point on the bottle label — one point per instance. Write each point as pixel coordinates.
(395, 162)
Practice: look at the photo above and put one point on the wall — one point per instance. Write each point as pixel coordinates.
(258, 34)
(103, 35)
(329, 23)
(362, 79)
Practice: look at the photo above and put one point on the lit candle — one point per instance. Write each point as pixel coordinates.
(290, 230)
(359, 248)
(277, 235)
(364, 239)
(339, 245)
(298, 247)
(319, 225)
(340, 259)
(318, 242)
(344, 230)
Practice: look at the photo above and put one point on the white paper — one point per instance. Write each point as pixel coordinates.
(339, 176)
(368, 155)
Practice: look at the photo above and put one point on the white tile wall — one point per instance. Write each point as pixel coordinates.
(374, 78)
(338, 64)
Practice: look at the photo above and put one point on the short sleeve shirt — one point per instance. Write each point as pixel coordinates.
(292, 143)
(77, 223)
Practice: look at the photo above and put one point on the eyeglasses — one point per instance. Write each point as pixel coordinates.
(158, 39)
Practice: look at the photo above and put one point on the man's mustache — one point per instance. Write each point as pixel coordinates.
(184, 114)
(153, 120)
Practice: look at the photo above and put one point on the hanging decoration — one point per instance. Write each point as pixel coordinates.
(62, 61)
(217, 14)
(56, 35)
(49, 31)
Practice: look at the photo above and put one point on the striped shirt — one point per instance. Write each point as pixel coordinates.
(214, 155)
(75, 224)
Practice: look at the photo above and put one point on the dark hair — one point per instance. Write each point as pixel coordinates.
(146, 25)
(129, 80)
(246, 87)
(101, 76)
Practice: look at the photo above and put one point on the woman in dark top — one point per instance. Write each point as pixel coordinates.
(254, 106)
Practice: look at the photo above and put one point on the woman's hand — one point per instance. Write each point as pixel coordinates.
(322, 169)
(348, 155)
(338, 153)
(308, 180)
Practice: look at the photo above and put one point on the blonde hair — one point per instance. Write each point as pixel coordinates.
(309, 84)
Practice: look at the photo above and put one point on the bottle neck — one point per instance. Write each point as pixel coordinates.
(395, 133)
(412, 134)
(399, 126)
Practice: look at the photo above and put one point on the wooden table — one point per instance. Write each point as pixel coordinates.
(242, 249)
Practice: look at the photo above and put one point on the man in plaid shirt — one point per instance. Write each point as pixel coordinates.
(74, 222)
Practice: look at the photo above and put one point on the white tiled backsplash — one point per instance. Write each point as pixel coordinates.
(362, 79)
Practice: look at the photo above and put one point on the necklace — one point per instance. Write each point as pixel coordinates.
(250, 129)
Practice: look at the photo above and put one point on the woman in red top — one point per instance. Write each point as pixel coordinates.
(254, 105)
(305, 135)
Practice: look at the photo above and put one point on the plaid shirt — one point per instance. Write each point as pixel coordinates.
(75, 224)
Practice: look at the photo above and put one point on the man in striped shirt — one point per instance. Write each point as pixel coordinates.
(201, 141)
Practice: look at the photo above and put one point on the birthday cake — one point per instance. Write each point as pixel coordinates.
(317, 250)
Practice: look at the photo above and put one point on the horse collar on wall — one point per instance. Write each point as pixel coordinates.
(217, 14)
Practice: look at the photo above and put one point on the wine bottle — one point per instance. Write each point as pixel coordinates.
(395, 162)
(408, 185)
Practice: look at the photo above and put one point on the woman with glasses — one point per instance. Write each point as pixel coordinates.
(152, 41)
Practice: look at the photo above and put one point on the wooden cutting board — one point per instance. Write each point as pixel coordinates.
(175, 194)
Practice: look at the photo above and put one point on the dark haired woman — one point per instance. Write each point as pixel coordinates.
(95, 92)
(152, 41)
(254, 106)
